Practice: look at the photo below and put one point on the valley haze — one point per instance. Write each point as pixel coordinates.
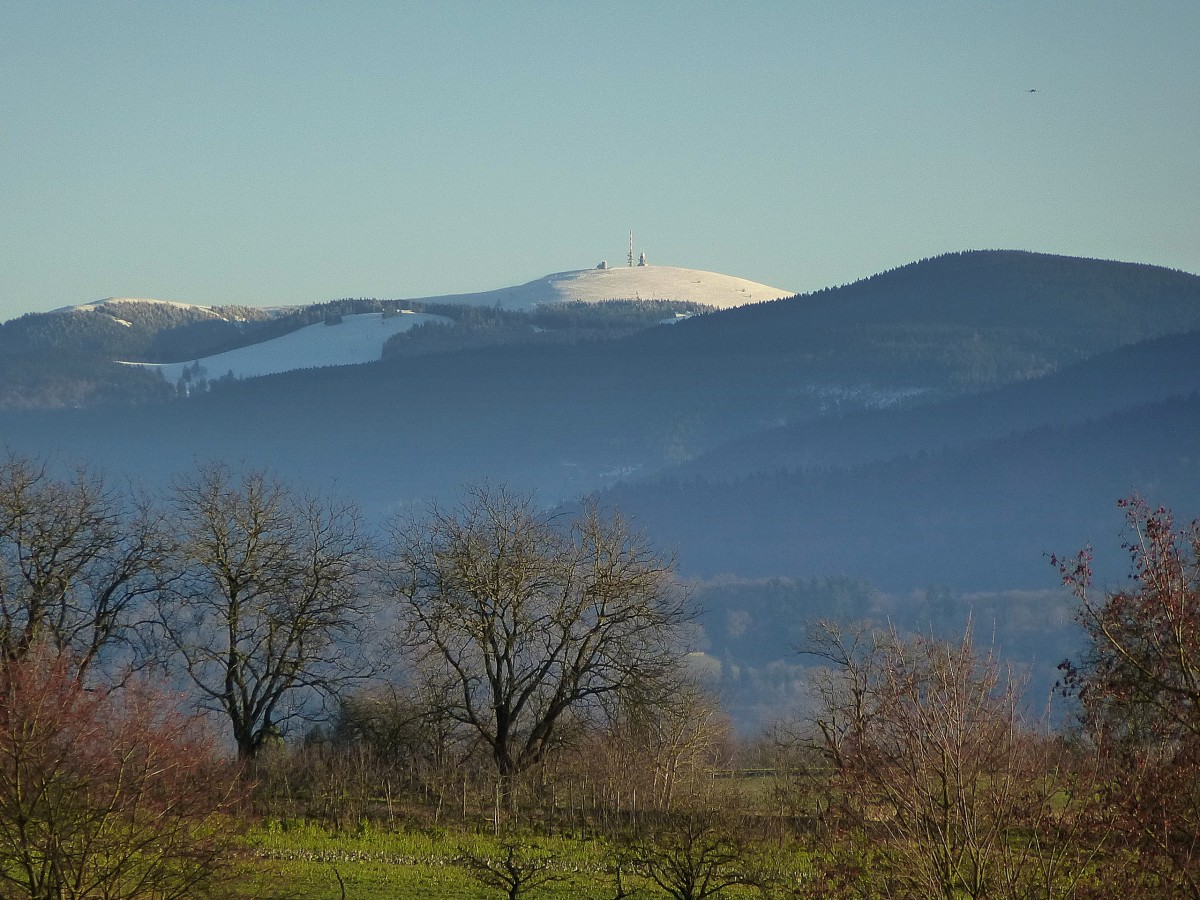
(909, 446)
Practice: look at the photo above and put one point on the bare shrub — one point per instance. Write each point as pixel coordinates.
(105, 792)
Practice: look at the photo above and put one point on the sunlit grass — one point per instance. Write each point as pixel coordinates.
(294, 860)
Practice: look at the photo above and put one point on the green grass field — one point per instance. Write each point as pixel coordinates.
(305, 861)
(293, 861)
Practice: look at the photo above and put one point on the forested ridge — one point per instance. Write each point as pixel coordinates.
(923, 514)
(70, 357)
(965, 321)
(794, 403)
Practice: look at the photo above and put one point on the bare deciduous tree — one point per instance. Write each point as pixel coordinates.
(656, 757)
(521, 867)
(697, 855)
(78, 563)
(270, 604)
(848, 688)
(925, 737)
(523, 621)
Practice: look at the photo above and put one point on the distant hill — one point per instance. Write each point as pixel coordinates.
(966, 320)
(961, 322)
(907, 447)
(710, 289)
(568, 418)
(847, 434)
(976, 517)
(121, 327)
(68, 357)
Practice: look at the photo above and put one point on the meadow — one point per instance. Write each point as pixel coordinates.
(285, 860)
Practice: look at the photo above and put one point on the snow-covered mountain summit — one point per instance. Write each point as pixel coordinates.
(624, 283)
(360, 338)
(643, 282)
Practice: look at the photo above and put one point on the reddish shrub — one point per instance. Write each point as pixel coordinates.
(105, 791)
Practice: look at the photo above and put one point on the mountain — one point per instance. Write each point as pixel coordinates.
(967, 320)
(70, 357)
(848, 434)
(640, 282)
(140, 307)
(946, 393)
(907, 447)
(124, 327)
(67, 358)
(976, 517)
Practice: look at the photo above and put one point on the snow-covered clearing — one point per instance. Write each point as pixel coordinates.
(360, 339)
(357, 339)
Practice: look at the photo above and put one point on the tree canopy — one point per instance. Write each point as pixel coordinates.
(525, 621)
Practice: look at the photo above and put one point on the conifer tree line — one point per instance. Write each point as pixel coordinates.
(235, 647)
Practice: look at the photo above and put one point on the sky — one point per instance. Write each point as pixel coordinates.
(297, 152)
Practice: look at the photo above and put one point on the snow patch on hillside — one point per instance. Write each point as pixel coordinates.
(354, 340)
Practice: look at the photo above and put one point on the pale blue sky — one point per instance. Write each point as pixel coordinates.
(269, 153)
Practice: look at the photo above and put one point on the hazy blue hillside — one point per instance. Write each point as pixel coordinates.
(1129, 376)
(974, 319)
(67, 358)
(753, 629)
(569, 418)
(563, 420)
(1094, 299)
(979, 517)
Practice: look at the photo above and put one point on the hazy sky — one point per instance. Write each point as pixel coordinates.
(291, 152)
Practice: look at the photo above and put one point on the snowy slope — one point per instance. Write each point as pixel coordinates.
(109, 301)
(360, 339)
(624, 283)
(357, 339)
